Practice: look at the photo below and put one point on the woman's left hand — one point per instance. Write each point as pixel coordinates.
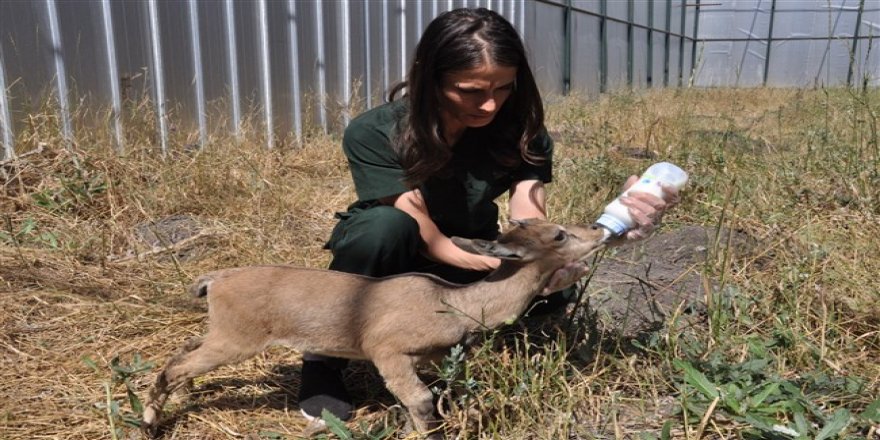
(647, 209)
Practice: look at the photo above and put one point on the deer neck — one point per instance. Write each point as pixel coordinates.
(501, 297)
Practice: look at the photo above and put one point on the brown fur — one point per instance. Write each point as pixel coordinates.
(396, 322)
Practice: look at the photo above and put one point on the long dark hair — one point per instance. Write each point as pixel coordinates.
(457, 40)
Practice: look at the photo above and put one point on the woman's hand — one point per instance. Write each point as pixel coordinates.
(566, 276)
(647, 209)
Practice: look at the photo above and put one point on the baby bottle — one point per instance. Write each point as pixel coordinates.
(616, 219)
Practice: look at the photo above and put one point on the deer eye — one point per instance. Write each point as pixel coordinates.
(561, 236)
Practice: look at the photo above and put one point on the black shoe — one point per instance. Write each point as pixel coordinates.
(322, 388)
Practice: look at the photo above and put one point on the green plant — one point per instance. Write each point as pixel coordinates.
(366, 432)
(29, 233)
(70, 193)
(767, 405)
(121, 374)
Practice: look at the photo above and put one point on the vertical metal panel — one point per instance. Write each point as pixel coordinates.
(79, 31)
(545, 53)
(266, 74)
(60, 72)
(419, 17)
(215, 75)
(113, 76)
(196, 44)
(368, 65)
(386, 49)
(5, 120)
(375, 55)
(345, 85)
(403, 48)
(321, 66)
(640, 65)
(157, 74)
(27, 65)
(640, 11)
(232, 67)
(175, 52)
(280, 82)
(616, 55)
(617, 9)
(658, 57)
(293, 39)
(216, 51)
(585, 55)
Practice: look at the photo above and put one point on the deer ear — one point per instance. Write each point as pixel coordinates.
(489, 248)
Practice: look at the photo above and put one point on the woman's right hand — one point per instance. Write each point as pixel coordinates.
(647, 210)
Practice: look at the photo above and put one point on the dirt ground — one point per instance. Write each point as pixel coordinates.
(637, 286)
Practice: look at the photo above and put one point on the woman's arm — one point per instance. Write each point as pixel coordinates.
(527, 200)
(438, 246)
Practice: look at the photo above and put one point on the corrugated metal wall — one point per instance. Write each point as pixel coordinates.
(284, 66)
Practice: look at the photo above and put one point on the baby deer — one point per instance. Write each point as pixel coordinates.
(396, 322)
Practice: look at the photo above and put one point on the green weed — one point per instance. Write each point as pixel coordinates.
(121, 376)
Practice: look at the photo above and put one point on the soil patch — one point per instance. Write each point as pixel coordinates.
(637, 286)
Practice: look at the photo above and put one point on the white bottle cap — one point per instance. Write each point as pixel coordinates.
(612, 224)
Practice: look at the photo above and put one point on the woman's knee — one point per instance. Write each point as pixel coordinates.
(374, 235)
(386, 225)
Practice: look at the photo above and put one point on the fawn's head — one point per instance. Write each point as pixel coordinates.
(532, 239)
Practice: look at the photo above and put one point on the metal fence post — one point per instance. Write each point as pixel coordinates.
(566, 48)
(5, 120)
(681, 43)
(769, 41)
(855, 43)
(649, 78)
(603, 46)
(630, 43)
(666, 42)
(694, 42)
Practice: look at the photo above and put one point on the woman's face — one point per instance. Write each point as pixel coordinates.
(472, 98)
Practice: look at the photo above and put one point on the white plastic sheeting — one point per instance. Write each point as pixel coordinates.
(812, 44)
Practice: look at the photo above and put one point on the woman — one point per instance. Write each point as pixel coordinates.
(429, 164)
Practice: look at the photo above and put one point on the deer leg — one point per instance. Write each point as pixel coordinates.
(197, 357)
(400, 376)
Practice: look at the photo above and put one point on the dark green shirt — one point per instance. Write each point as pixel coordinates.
(461, 200)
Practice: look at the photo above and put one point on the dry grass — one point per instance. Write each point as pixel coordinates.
(797, 170)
